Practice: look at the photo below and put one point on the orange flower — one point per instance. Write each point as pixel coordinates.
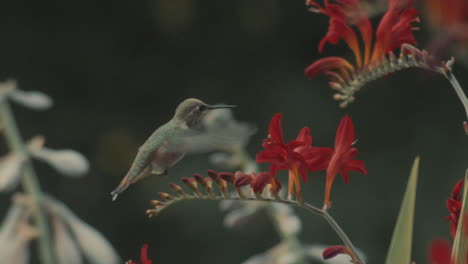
(394, 30)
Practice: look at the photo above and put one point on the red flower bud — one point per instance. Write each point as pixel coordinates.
(333, 251)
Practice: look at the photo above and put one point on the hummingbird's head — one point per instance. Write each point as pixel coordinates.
(191, 111)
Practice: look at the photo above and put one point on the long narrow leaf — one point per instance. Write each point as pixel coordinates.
(460, 242)
(400, 247)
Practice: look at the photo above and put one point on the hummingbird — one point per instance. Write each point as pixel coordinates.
(185, 133)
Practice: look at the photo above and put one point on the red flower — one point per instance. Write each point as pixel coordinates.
(394, 30)
(143, 257)
(297, 156)
(333, 251)
(440, 252)
(454, 205)
(342, 159)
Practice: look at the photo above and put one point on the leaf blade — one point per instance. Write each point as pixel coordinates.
(400, 246)
(460, 243)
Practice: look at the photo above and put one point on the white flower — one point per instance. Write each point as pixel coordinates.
(16, 234)
(10, 171)
(94, 246)
(66, 248)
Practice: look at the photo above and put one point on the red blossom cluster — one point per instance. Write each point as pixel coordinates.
(394, 30)
(299, 157)
(440, 250)
(454, 205)
(143, 256)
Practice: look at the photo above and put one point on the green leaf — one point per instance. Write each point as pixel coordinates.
(400, 247)
(460, 242)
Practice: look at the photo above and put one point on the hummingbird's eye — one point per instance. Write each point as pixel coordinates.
(202, 108)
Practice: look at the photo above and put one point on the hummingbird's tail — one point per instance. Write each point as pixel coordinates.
(122, 187)
(129, 179)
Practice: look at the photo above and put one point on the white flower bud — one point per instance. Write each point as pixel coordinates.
(68, 162)
(10, 168)
(32, 99)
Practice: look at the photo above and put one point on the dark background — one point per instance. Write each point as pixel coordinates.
(117, 70)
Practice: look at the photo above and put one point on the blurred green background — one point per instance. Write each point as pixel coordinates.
(117, 70)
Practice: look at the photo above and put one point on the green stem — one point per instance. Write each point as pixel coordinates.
(29, 182)
(458, 89)
(315, 210)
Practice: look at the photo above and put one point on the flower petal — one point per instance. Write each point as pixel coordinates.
(328, 64)
(66, 249)
(260, 182)
(333, 251)
(304, 136)
(344, 135)
(94, 246)
(318, 158)
(356, 165)
(68, 162)
(275, 130)
(10, 168)
(242, 179)
(144, 255)
(16, 235)
(395, 28)
(32, 99)
(339, 29)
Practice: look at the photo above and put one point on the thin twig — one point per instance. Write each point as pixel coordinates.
(29, 182)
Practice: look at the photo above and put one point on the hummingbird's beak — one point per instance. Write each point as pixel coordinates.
(221, 106)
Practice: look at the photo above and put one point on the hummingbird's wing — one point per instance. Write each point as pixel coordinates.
(222, 133)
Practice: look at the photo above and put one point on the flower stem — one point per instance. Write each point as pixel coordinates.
(458, 89)
(292, 239)
(29, 182)
(342, 235)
